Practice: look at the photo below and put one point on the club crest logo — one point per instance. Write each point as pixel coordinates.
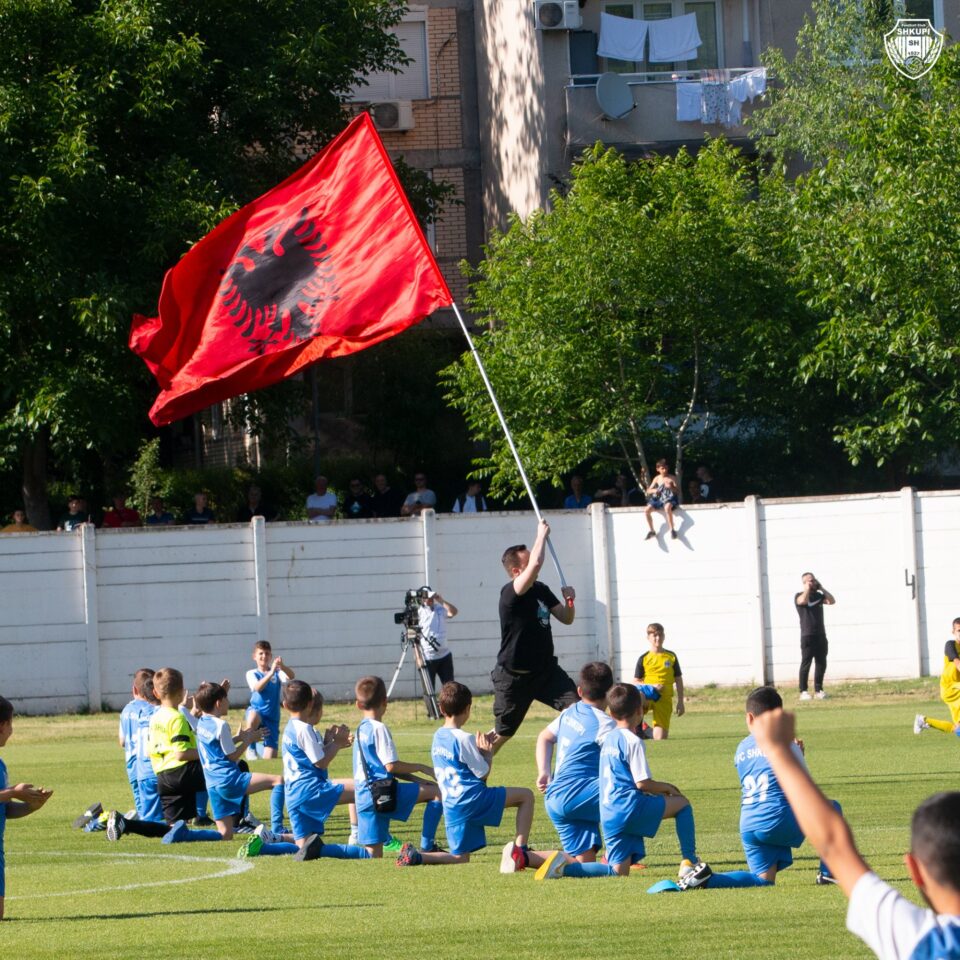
(913, 47)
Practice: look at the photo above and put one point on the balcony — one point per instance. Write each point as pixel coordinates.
(652, 124)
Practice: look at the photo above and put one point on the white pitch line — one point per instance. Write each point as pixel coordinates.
(233, 867)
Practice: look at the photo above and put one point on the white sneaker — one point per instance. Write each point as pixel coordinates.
(820, 695)
(920, 724)
(805, 696)
(266, 834)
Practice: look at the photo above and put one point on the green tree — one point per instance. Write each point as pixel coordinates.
(127, 131)
(873, 235)
(621, 320)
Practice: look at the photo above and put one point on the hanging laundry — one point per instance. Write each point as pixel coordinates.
(622, 38)
(749, 85)
(715, 107)
(674, 39)
(689, 97)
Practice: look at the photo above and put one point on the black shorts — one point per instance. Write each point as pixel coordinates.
(178, 789)
(513, 694)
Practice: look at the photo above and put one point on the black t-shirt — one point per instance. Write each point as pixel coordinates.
(811, 615)
(526, 640)
(388, 503)
(359, 507)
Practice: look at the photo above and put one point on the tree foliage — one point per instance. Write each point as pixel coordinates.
(613, 320)
(873, 235)
(127, 131)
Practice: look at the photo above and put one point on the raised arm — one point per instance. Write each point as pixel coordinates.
(826, 830)
(452, 611)
(524, 580)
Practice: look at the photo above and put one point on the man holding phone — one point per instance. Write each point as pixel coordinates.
(813, 636)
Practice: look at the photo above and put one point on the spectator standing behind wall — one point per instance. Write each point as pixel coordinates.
(255, 507)
(120, 515)
(577, 499)
(322, 505)
(75, 515)
(159, 516)
(472, 501)
(357, 504)
(387, 502)
(19, 524)
(708, 486)
(199, 514)
(421, 499)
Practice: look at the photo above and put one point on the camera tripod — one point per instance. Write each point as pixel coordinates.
(412, 637)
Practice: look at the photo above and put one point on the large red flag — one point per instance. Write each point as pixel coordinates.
(327, 263)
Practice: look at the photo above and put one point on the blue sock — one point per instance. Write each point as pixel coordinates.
(687, 834)
(736, 879)
(276, 808)
(202, 803)
(278, 849)
(342, 851)
(197, 836)
(432, 813)
(588, 870)
(823, 868)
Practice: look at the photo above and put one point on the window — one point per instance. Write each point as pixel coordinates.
(413, 82)
(707, 13)
(931, 10)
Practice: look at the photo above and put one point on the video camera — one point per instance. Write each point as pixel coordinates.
(409, 616)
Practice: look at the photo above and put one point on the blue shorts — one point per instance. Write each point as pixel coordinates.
(226, 798)
(658, 503)
(623, 833)
(148, 801)
(3, 870)
(311, 816)
(577, 824)
(375, 827)
(466, 836)
(271, 724)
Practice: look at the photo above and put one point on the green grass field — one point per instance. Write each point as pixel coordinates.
(71, 894)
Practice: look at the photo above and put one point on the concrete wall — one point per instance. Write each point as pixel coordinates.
(79, 613)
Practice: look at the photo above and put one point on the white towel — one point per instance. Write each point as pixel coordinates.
(674, 39)
(622, 38)
(739, 89)
(756, 82)
(688, 101)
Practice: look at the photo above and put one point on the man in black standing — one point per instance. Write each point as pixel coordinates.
(527, 668)
(813, 635)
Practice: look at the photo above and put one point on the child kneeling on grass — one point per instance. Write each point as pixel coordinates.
(461, 763)
(632, 803)
(890, 925)
(375, 757)
(310, 793)
(18, 801)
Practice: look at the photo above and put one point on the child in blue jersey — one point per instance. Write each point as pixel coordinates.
(632, 803)
(311, 794)
(379, 759)
(266, 683)
(890, 925)
(148, 802)
(572, 792)
(768, 829)
(18, 801)
(461, 763)
(219, 749)
(129, 733)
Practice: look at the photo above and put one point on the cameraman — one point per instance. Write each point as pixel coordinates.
(434, 611)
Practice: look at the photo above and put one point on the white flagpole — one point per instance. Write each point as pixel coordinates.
(506, 430)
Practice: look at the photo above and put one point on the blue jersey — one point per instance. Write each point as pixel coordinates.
(374, 739)
(143, 766)
(3, 806)
(130, 732)
(302, 748)
(623, 764)
(763, 806)
(213, 737)
(459, 768)
(266, 701)
(580, 730)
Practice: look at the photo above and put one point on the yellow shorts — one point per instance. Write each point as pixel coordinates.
(951, 697)
(662, 711)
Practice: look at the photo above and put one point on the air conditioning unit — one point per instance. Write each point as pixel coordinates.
(390, 115)
(557, 14)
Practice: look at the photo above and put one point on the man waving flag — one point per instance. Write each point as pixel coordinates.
(327, 263)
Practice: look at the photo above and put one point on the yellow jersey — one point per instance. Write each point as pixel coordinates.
(170, 733)
(662, 667)
(950, 675)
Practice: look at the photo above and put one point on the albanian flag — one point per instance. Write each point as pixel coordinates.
(327, 263)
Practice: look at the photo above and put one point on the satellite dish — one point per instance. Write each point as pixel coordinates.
(614, 96)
